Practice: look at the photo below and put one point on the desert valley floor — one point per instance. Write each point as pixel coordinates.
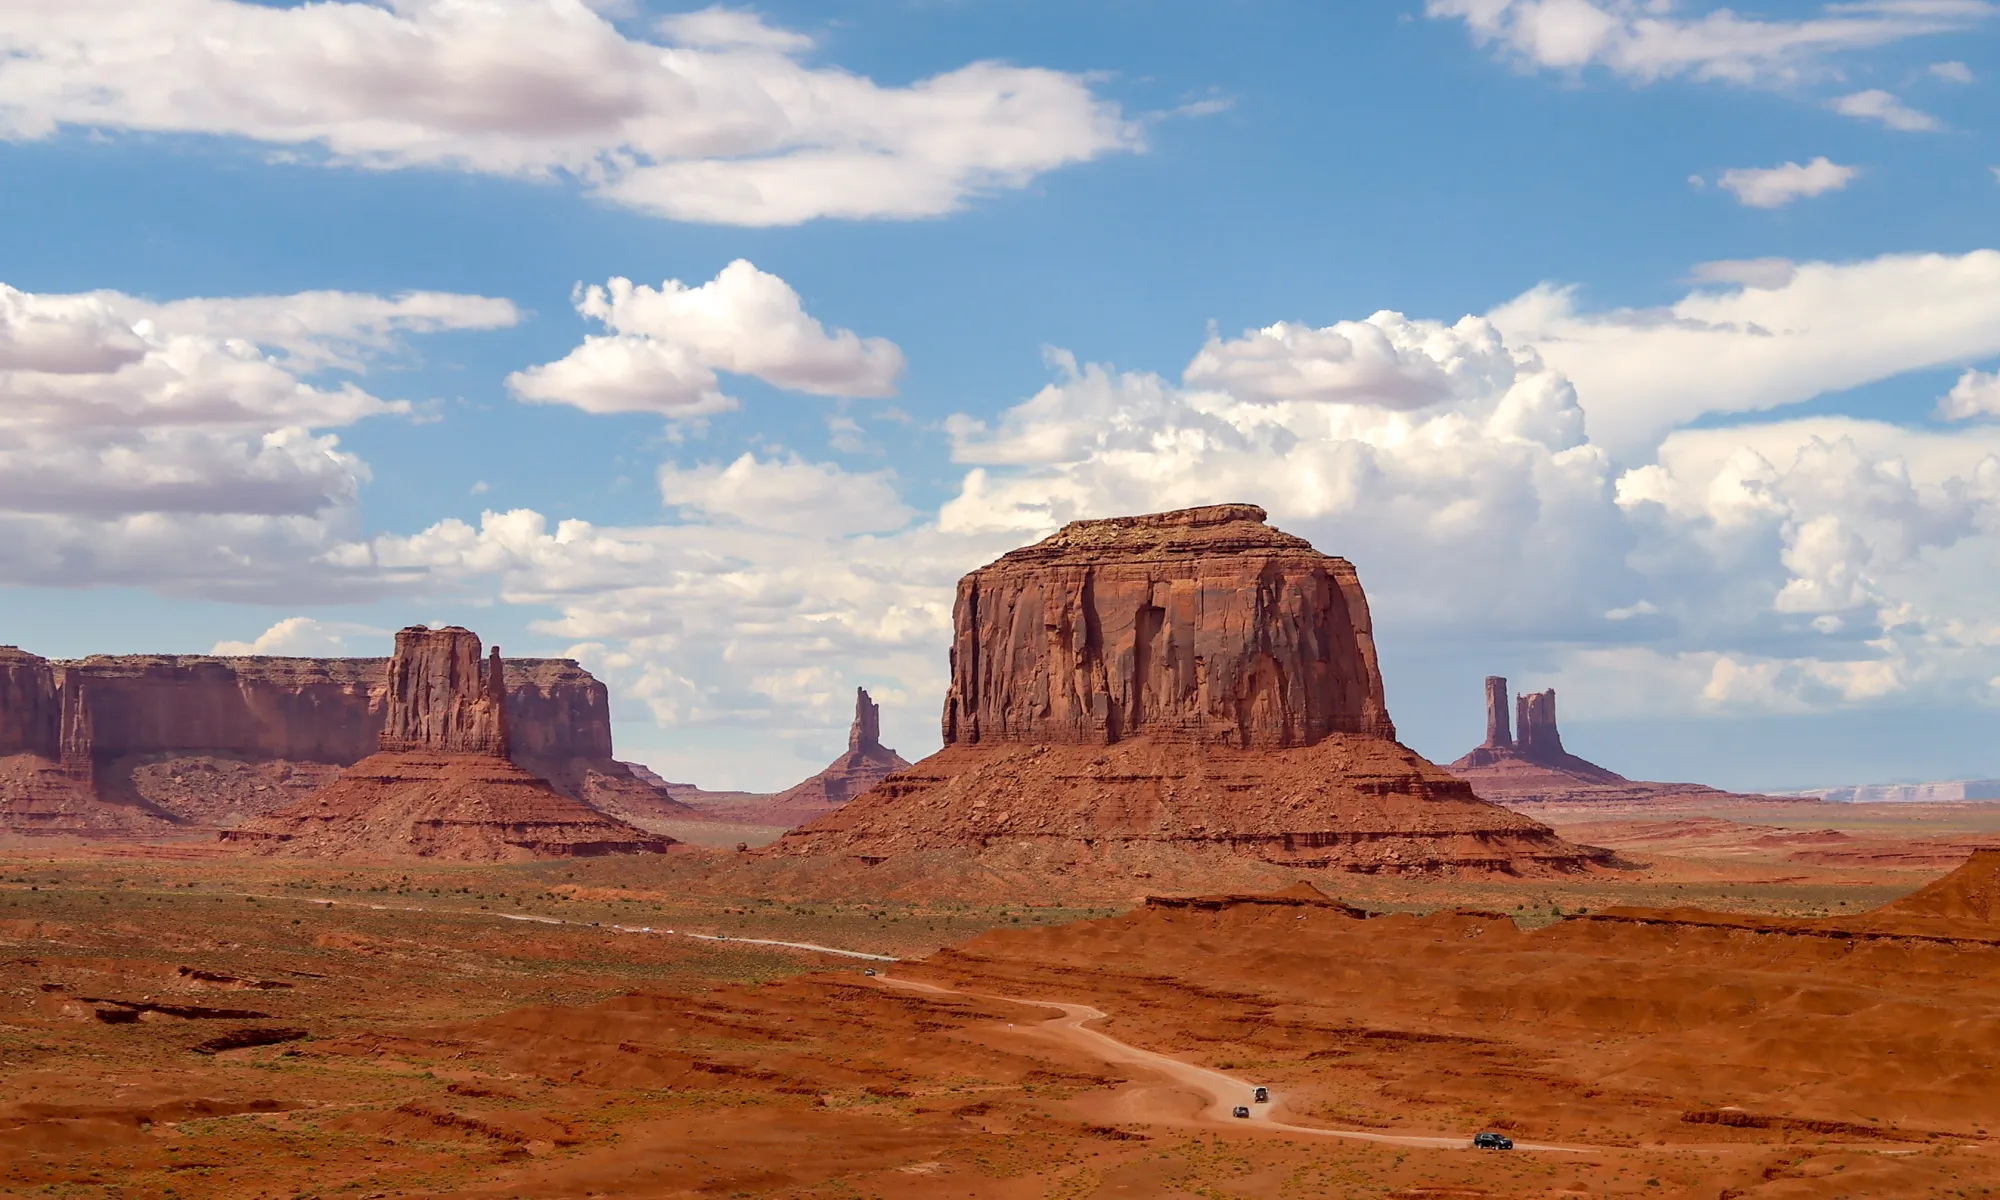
(176, 1021)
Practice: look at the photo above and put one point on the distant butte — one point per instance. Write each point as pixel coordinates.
(1175, 686)
(1526, 766)
(443, 784)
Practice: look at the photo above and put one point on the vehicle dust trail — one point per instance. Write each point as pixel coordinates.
(1220, 1092)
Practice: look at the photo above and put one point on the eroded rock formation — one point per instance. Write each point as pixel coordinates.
(1530, 768)
(154, 743)
(1204, 625)
(443, 784)
(1194, 682)
(866, 763)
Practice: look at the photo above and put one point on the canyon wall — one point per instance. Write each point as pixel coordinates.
(1203, 626)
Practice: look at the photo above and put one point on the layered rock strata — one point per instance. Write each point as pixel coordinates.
(155, 743)
(1192, 680)
(443, 784)
(1528, 768)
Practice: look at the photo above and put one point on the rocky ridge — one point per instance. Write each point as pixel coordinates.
(1192, 681)
(443, 784)
(157, 744)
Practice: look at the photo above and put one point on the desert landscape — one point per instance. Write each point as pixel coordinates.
(408, 928)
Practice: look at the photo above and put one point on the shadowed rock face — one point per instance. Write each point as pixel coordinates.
(1204, 625)
(30, 711)
(1177, 686)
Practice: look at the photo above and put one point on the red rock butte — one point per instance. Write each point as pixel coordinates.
(1527, 767)
(1192, 681)
(153, 745)
(443, 784)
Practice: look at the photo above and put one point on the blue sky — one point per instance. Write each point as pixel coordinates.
(1719, 508)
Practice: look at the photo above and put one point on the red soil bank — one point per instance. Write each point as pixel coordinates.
(443, 785)
(1194, 680)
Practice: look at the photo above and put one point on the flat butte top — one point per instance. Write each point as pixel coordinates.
(1215, 530)
(539, 671)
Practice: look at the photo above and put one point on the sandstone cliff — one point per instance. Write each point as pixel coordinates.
(442, 785)
(161, 742)
(1204, 625)
(1194, 681)
(1528, 767)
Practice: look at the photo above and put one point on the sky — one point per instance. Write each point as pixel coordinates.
(1644, 349)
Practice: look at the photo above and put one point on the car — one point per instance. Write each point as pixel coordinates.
(1239, 1111)
(870, 972)
(1492, 1141)
(1260, 1095)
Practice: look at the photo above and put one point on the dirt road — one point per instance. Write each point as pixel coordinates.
(1219, 1093)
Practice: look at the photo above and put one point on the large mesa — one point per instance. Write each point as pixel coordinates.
(1182, 685)
(443, 784)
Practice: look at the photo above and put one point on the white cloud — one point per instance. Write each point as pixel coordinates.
(1878, 105)
(309, 637)
(788, 495)
(1952, 72)
(182, 444)
(1976, 394)
(666, 345)
(1380, 361)
(1750, 272)
(719, 122)
(1827, 328)
(1771, 566)
(1657, 39)
(1775, 187)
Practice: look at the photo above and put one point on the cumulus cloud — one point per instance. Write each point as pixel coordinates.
(720, 120)
(1952, 72)
(1828, 327)
(1976, 394)
(1775, 187)
(788, 495)
(666, 345)
(1879, 106)
(1647, 40)
(1773, 565)
(183, 444)
(309, 637)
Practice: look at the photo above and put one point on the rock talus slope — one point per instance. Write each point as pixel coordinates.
(1195, 681)
(442, 785)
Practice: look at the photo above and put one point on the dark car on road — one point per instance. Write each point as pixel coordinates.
(1492, 1141)
(1261, 1095)
(1239, 1111)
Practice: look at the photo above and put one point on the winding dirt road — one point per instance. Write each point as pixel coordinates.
(1219, 1093)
